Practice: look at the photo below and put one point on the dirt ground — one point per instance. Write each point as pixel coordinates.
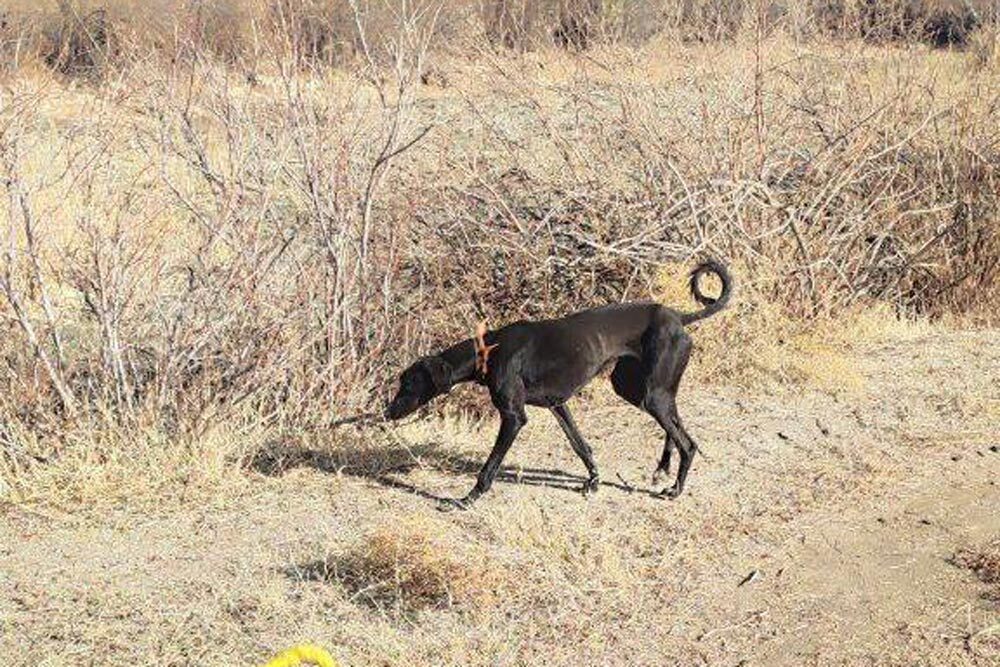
(818, 530)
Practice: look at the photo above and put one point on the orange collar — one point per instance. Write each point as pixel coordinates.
(482, 349)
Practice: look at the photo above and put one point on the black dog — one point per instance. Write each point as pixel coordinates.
(545, 363)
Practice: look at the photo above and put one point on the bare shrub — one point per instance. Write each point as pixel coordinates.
(81, 43)
(951, 25)
(985, 46)
(13, 41)
(577, 213)
(91, 38)
(713, 20)
(317, 32)
(522, 25)
(941, 23)
(250, 280)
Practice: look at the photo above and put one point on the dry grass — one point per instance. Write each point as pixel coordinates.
(100, 468)
(774, 351)
(984, 561)
(410, 566)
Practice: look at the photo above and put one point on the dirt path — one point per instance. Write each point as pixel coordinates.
(881, 588)
(847, 506)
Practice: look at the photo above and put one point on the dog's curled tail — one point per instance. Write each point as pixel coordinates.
(712, 304)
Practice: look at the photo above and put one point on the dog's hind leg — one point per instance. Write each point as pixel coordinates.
(579, 445)
(661, 402)
(663, 407)
(664, 466)
(629, 381)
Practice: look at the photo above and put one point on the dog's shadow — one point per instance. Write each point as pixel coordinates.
(386, 465)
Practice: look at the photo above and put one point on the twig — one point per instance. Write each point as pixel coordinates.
(629, 487)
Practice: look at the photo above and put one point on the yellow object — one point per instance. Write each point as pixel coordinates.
(304, 654)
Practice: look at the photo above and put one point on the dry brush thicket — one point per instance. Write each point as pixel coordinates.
(91, 37)
(201, 240)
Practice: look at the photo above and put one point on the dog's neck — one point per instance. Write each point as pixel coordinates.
(462, 359)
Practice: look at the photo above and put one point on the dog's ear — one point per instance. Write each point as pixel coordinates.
(440, 372)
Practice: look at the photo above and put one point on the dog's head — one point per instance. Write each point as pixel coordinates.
(426, 379)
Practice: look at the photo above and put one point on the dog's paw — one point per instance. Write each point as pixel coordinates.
(658, 476)
(454, 505)
(670, 492)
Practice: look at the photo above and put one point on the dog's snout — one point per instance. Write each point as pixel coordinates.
(396, 409)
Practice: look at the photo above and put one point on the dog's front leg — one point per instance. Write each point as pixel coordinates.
(511, 422)
(579, 446)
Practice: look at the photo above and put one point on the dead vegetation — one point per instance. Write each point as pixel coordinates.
(215, 244)
(984, 561)
(90, 38)
(410, 567)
